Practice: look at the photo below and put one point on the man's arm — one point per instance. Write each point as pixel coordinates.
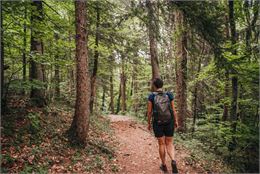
(175, 117)
(149, 114)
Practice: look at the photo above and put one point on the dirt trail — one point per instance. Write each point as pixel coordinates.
(138, 150)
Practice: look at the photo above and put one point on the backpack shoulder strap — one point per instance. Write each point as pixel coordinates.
(170, 95)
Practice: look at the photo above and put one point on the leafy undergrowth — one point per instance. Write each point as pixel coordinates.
(210, 145)
(35, 140)
(199, 155)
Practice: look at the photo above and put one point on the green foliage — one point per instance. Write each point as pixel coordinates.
(212, 138)
(34, 120)
(32, 169)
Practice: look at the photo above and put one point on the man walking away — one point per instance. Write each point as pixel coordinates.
(164, 119)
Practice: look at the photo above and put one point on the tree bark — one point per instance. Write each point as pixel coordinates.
(96, 55)
(226, 93)
(57, 80)
(135, 83)
(233, 112)
(24, 45)
(181, 68)
(2, 59)
(103, 99)
(36, 69)
(152, 40)
(254, 20)
(195, 100)
(123, 86)
(72, 68)
(80, 124)
(119, 97)
(112, 94)
(57, 71)
(248, 28)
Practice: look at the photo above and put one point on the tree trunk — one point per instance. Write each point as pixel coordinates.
(181, 68)
(57, 81)
(135, 84)
(254, 20)
(132, 85)
(2, 59)
(112, 94)
(119, 97)
(103, 99)
(233, 111)
(71, 69)
(152, 40)
(57, 70)
(96, 55)
(225, 109)
(195, 100)
(80, 123)
(24, 46)
(248, 28)
(36, 69)
(123, 86)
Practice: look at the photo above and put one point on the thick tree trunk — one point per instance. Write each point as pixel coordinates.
(181, 68)
(80, 123)
(152, 40)
(96, 55)
(36, 69)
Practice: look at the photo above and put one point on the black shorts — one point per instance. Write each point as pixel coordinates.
(163, 130)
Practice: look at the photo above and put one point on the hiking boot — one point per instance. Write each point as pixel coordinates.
(163, 167)
(174, 167)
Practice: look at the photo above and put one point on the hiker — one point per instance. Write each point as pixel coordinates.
(164, 120)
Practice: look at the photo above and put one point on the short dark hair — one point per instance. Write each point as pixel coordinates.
(158, 83)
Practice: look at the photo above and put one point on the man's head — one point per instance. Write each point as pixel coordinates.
(158, 83)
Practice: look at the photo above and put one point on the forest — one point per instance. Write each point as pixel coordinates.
(66, 66)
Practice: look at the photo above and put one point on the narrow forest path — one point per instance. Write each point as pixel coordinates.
(138, 150)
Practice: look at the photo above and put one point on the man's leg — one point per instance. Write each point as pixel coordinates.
(161, 142)
(169, 147)
(170, 151)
